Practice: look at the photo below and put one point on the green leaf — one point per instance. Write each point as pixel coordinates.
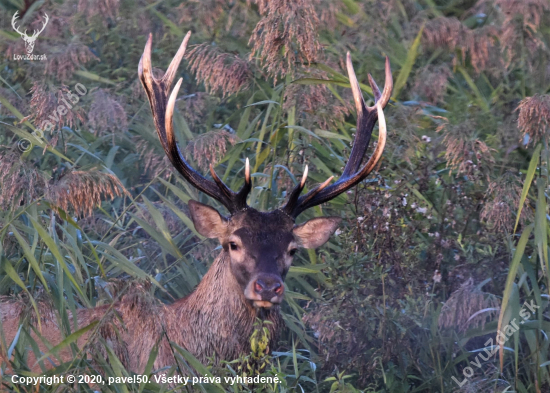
(93, 77)
(518, 254)
(10, 271)
(332, 135)
(527, 183)
(30, 255)
(408, 65)
(55, 251)
(71, 338)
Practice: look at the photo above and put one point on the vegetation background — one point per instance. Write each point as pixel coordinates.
(437, 251)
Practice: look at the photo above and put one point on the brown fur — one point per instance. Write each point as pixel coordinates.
(193, 323)
(216, 320)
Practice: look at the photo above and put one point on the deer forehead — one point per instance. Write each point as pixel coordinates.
(253, 226)
(253, 222)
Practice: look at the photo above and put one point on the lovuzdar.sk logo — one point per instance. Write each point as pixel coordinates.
(29, 40)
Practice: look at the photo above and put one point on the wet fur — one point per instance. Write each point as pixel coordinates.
(215, 320)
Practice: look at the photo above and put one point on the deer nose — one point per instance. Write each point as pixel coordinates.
(269, 287)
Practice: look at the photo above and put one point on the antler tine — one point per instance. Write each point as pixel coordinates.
(353, 173)
(163, 111)
(388, 84)
(170, 74)
(221, 185)
(366, 116)
(317, 189)
(355, 88)
(295, 194)
(145, 72)
(240, 198)
(375, 89)
(247, 178)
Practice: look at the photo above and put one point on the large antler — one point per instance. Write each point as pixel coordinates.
(352, 175)
(163, 109)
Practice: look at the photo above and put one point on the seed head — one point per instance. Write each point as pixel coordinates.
(463, 304)
(80, 192)
(225, 72)
(286, 35)
(534, 117)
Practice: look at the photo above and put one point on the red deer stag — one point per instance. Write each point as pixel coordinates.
(246, 279)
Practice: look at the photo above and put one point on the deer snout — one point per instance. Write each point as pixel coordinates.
(269, 288)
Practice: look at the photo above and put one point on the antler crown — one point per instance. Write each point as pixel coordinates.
(162, 107)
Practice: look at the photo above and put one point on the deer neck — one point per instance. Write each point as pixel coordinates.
(216, 319)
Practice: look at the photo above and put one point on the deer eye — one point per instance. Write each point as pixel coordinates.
(233, 246)
(293, 251)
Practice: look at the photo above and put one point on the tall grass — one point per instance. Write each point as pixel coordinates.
(449, 233)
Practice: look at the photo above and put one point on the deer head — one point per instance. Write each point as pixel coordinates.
(29, 41)
(261, 245)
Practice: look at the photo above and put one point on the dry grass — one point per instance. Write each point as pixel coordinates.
(44, 103)
(195, 106)
(534, 116)
(315, 105)
(64, 61)
(208, 12)
(173, 222)
(465, 302)
(286, 36)
(20, 181)
(529, 11)
(521, 22)
(451, 34)
(431, 83)
(465, 153)
(152, 161)
(80, 192)
(102, 8)
(328, 13)
(219, 71)
(504, 197)
(443, 33)
(106, 113)
(210, 147)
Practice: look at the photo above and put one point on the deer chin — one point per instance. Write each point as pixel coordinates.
(263, 304)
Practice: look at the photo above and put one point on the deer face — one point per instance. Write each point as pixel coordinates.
(261, 246)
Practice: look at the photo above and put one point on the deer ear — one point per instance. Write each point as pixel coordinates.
(208, 222)
(315, 232)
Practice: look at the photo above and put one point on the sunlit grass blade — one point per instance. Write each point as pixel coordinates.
(527, 182)
(518, 254)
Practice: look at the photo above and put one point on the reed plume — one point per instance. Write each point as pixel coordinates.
(80, 192)
(219, 71)
(106, 113)
(459, 311)
(210, 147)
(286, 36)
(534, 116)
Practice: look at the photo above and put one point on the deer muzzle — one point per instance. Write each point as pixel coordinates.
(267, 290)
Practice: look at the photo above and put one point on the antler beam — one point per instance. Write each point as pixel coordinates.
(352, 174)
(162, 108)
